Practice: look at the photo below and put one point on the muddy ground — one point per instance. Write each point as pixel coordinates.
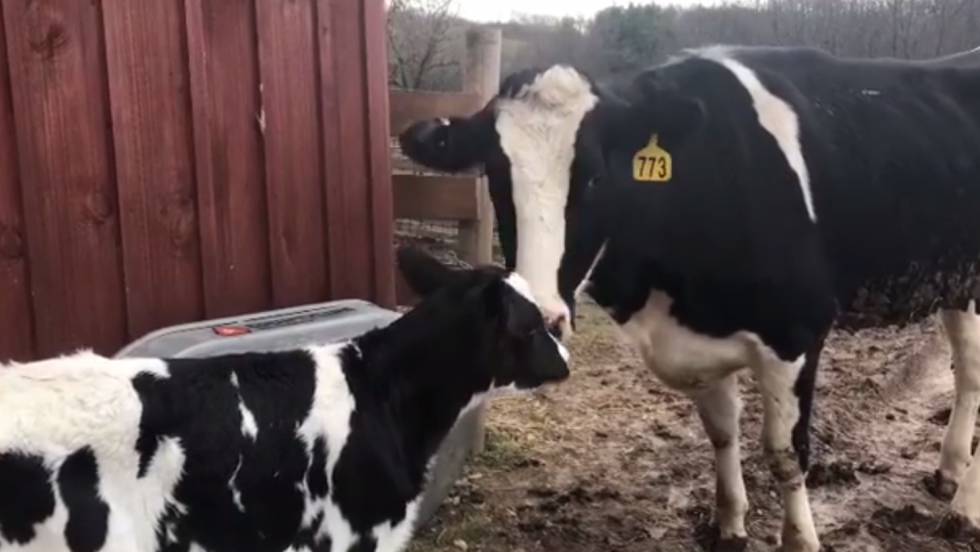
(614, 461)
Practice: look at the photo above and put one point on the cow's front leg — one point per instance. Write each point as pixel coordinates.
(787, 394)
(719, 408)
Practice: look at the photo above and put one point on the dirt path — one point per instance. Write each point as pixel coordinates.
(614, 461)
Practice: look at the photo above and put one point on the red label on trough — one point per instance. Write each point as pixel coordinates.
(231, 331)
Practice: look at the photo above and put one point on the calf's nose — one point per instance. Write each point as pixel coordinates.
(557, 325)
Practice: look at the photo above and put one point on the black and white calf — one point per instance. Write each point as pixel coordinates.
(727, 208)
(324, 449)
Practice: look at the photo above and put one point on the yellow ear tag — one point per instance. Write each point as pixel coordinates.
(652, 163)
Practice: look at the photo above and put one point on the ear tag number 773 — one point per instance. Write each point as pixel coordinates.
(652, 163)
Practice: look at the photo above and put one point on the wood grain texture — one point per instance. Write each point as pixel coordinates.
(16, 318)
(148, 91)
(379, 166)
(349, 86)
(430, 197)
(228, 152)
(58, 86)
(294, 170)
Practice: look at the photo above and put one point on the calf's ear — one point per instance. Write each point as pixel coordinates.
(518, 316)
(424, 273)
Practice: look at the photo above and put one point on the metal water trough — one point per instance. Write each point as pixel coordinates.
(299, 327)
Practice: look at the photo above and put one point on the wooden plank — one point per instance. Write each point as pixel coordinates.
(379, 167)
(294, 173)
(409, 107)
(436, 197)
(482, 76)
(334, 185)
(349, 85)
(16, 318)
(58, 85)
(152, 134)
(228, 144)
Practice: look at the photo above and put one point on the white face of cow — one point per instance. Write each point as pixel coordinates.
(537, 128)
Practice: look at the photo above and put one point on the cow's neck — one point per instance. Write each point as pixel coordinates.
(426, 375)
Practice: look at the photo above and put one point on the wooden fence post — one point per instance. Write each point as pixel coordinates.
(481, 75)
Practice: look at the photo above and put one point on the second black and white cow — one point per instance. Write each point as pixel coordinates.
(727, 208)
(317, 450)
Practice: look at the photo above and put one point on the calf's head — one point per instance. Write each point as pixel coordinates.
(506, 333)
(546, 142)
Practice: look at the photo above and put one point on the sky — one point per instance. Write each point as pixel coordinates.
(502, 10)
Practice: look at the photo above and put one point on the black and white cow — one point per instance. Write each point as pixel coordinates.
(324, 449)
(787, 190)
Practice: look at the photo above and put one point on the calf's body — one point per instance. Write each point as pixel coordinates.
(323, 449)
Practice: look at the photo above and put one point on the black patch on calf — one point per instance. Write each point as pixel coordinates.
(316, 479)
(26, 496)
(199, 405)
(88, 514)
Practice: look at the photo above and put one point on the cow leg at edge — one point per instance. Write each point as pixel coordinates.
(963, 329)
(787, 395)
(719, 407)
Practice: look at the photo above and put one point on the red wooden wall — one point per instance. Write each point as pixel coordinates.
(164, 161)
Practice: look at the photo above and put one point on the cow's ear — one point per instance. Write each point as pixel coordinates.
(452, 144)
(654, 105)
(423, 272)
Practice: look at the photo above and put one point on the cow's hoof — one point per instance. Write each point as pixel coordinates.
(731, 544)
(939, 486)
(710, 539)
(793, 541)
(957, 528)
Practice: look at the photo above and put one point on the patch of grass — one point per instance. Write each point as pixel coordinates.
(502, 452)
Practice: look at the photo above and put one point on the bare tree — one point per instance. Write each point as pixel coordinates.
(420, 38)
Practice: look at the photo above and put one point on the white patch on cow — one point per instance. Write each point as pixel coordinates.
(963, 330)
(580, 289)
(250, 428)
(236, 493)
(683, 359)
(395, 538)
(333, 405)
(775, 115)
(537, 130)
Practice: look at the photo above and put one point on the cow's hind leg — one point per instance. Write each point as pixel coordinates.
(963, 329)
(787, 394)
(719, 408)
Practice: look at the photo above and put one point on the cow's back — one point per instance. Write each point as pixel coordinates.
(893, 152)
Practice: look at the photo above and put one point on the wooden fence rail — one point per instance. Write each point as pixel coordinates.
(462, 198)
(162, 161)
